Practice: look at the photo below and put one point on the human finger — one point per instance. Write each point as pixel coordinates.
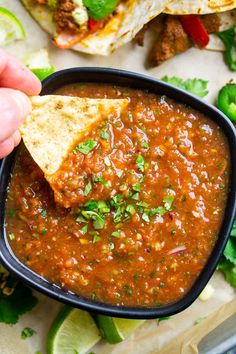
(6, 147)
(15, 75)
(16, 137)
(14, 106)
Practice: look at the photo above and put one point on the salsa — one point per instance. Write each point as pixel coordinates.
(148, 190)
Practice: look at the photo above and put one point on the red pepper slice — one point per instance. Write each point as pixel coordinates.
(195, 29)
(94, 25)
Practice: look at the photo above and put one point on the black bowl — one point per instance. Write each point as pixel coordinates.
(134, 80)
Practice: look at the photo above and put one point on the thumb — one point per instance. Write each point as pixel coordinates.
(14, 106)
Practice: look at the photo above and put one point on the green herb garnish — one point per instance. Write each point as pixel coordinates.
(145, 145)
(86, 146)
(140, 163)
(27, 333)
(196, 86)
(87, 189)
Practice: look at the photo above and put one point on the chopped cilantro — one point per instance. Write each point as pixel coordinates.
(84, 229)
(98, 219)
(43, 213)
(127, 289)
(135, 196)
(137, 187)
(199, 320)
(160, 210)
(168, 201)
(104, 135)
(27, 333)
(145, 145)
(87, 189)
(140, 163)
(103, 207)
(100, 180)
(12, 213)
(130, 209)
(44, 231)
(80, 218)
(91, 205)
(196, 86)
(86, 146)
(145, 217)
(116, 234)
(96, 238)
(143, 204)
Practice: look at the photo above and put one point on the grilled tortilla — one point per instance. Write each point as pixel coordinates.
(199, 7)
(130, 16)
(56, 125)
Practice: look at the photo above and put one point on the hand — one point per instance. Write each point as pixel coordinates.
(16, 82)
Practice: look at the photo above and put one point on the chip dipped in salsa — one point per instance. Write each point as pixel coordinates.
(135, 208)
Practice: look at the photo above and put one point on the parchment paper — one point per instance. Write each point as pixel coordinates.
(150, 338)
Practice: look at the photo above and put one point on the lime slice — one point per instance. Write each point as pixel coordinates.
(73, 331)
(115, 330)
(38, 62)
(10, 27)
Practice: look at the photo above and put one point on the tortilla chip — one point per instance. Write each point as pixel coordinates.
(57, 123)
(184, 7)
(130, 17)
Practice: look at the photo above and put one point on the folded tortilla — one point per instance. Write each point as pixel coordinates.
(129, 18)
(56, 125)
(200, 7)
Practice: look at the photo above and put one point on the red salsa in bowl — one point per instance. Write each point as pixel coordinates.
(147, 192)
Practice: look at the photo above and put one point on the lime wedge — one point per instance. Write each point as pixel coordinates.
(10, 27)
(73, 331)
(38, 62)
(115, 330)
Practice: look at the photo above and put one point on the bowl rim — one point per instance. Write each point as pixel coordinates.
(122, 77)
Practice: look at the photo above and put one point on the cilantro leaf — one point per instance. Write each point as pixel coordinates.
(98, 10)
(86, 146)
(19, 301)
(140, 163)
(168, 201)
(228, 262)
(87, 189)
(229, 270)
(98, 219)
(230, 251)
(228, 37)
(195, 86)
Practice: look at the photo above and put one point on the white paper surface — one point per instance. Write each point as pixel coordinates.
(149, 338)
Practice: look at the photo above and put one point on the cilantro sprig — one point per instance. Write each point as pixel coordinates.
(15, 298)
(228, 262)
(195, 86)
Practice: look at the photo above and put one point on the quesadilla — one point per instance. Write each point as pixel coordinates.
(57, 123)
(91, 26)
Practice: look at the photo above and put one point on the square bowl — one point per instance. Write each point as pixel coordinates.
(138, 81)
